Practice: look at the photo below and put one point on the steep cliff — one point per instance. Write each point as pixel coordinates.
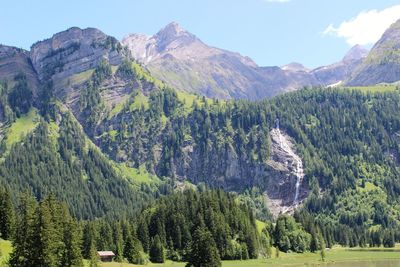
(286, 187)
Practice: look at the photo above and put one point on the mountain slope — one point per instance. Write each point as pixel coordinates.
(340, 72)
(183, 61)
(383, 62)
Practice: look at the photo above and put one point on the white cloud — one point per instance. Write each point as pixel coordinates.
(277, 1)
(367, 27)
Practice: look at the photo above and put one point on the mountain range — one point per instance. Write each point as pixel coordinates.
(183, 61)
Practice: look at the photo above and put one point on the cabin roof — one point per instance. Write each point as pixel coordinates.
(105, 253)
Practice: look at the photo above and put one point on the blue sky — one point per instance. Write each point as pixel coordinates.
(271, 32)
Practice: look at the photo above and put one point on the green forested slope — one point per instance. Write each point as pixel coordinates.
(347, 139)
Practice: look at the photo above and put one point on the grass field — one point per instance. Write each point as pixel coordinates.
(21, 127)
(335, 255)
(374, 88)
(5, 250)
(137, 176)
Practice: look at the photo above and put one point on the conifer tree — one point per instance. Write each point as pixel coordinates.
(72, 256)
(132, 250)
(7, 216)
(157, 250)
(23, 243)
(93, 258)
(203, 252)
(118, 242)
(44, 238)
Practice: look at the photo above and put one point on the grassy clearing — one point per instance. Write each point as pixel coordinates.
(260, 226)
(21, 127)
(188, 99)
(139, 101)
(5, 250)
(137, 176)
(117, 264)
(380, 88)
(81, 77)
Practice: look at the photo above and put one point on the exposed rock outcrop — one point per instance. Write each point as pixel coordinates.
(70, 53)
(13, 61)
(286, 188)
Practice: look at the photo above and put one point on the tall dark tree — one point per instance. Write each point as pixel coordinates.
(203, 251)
(71, 255)
(24, 242)
(20, 97)
(157, 250)
(7, 216)
(118, 242)
(132, 250)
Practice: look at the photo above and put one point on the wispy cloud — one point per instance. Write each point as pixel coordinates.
(277, 1)
(367, 27)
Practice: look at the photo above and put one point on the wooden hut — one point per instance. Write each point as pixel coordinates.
(106, 256)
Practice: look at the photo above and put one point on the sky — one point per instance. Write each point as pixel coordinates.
(271, 32)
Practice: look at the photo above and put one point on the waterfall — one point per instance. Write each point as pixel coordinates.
(297, 164)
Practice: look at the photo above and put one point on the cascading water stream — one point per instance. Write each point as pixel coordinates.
(297, 164)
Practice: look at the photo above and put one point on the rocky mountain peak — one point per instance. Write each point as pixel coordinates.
(73, 51)
(357, 52)
(294, 66)
(172, 29)
(173, 35)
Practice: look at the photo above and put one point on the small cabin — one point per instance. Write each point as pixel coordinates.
(106, 256)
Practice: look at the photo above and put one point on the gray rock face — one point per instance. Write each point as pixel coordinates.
(286, 188)
(65, 57)
(13, 61)
(281, 176)
(73, 51)
(383, 62)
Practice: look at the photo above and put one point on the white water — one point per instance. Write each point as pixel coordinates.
(297, 164)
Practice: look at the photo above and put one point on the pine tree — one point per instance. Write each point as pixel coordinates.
(7, 216)
(143, 233)
(44, 238)
(157, 250)
(93, 257)
(88, 240)
(72, 256)
(118, 242)
(132, 250)
(23, 243)
(203, 252)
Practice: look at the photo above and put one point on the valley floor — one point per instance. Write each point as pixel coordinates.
(334, 255)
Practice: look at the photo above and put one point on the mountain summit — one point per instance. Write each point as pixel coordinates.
(357, 52)
(149, 48)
